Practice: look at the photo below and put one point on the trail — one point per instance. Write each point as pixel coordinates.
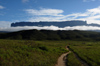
(62, 59)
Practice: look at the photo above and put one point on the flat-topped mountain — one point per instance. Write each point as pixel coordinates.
(54, 23)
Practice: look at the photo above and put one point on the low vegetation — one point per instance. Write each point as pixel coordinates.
(52, 35)
(46, 53)
(72, 60)
(30, 53)
(88, 51)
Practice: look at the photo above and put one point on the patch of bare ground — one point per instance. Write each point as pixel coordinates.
(62, 59)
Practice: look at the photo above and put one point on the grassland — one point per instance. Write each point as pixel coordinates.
(88, 51)
(46, 53)
(30, 53)
(72, 60)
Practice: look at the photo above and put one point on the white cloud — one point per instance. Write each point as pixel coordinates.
(24, 1)
(43, 11)
(94, 11)
(90, 15)
(10, 29)
(1, 7)
(46, 19)
(4, 24)
(93, 15)
(51, 15)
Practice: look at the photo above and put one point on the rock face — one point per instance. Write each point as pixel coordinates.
(59, 24)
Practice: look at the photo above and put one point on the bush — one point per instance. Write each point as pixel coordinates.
(43, 48)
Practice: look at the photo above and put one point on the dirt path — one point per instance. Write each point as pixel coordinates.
(62, 59)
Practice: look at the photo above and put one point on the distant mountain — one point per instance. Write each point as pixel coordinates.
(51, 35)
(59, 24)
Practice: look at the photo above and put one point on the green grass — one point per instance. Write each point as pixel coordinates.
(46, 53)
(89, 52)
(72, 60)
(30, 53)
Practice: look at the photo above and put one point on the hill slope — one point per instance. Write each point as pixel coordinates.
(51, 35)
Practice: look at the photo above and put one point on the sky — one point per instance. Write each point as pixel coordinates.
(48, 10)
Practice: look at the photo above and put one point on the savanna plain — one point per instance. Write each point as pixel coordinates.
(47, 52)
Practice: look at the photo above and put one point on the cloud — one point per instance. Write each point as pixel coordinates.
(43, 11)
(94, 11)
(90, 15)
(50, 15)
(37, 19)
(4, 24)
(43, 14)
(1, 7)
(93, 15)
(11, 29)
(24, 1)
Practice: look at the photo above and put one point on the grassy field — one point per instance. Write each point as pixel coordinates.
(72, 60)
(88, 51)
(30, 53)
(46, 53)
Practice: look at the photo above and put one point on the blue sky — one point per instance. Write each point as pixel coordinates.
(48, 10)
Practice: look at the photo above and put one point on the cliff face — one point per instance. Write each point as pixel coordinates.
(59, 24)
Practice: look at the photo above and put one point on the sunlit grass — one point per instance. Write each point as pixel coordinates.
(89, 51)
(46, 53)
(30, 53)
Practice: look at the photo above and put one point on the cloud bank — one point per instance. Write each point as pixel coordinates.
(11, 29)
